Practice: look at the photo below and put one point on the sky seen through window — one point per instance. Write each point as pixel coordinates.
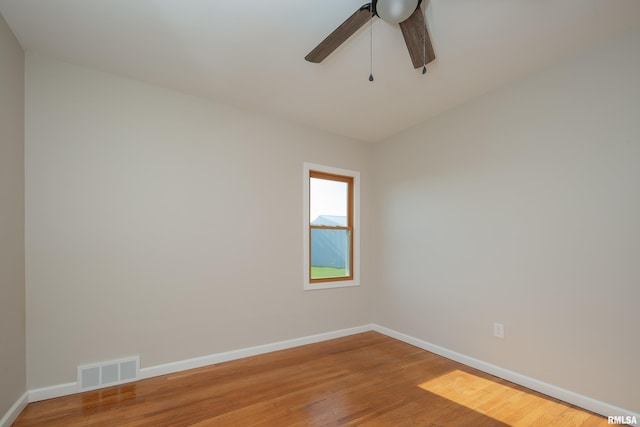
(327, 198)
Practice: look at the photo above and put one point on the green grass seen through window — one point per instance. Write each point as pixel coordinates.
(324, 272)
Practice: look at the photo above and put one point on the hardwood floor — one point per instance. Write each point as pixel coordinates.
(367, 379)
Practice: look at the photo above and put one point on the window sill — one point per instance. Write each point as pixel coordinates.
(330, 285)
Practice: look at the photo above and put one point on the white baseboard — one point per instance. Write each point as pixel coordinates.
(585, 402)
(198, 362)
(15, 410)
(59, 390)
(571, 397)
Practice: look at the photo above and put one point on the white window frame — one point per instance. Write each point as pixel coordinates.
(355, 281)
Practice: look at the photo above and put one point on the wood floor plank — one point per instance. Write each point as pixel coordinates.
(366, 379)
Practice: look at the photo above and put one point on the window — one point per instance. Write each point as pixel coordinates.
(331, 210)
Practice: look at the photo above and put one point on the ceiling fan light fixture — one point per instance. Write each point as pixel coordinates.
(407, 13)
(395, 11)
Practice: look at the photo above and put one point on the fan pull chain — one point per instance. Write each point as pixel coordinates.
(424, 47)
(371, 47)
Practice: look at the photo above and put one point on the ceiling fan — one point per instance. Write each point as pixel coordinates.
(407, 13)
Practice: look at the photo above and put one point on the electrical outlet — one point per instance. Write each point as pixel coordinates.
(498, 330)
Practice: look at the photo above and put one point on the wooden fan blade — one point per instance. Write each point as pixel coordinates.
(340, 34)
(416, 36)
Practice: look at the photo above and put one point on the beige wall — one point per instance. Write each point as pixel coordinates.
(12, 283)
(168, 226)
(523, 207)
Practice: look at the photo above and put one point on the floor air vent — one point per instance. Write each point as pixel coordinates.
(105, 374)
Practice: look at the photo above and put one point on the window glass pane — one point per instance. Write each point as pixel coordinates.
(330, 254)
(328, 201)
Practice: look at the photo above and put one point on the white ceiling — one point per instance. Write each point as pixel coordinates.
(250, 53)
